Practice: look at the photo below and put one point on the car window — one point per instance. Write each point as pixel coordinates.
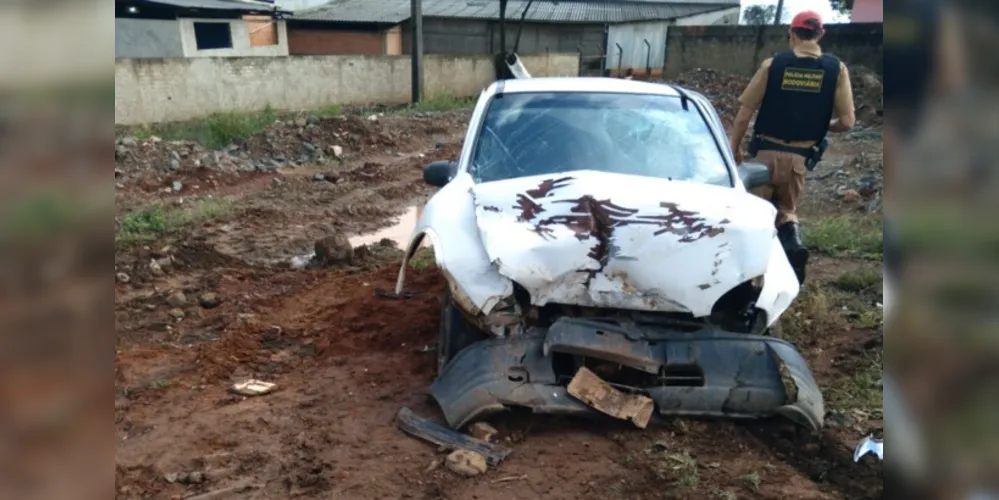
(528, 134)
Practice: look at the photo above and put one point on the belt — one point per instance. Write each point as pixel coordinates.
(766, 145)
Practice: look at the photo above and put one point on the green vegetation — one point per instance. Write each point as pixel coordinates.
(214, 132)
(859, 280)
(845, 236)
(423, 259)
(155, 221)
(863, 389)
(752, 481)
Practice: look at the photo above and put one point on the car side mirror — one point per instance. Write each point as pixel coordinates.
(439, 173)
(753, 174)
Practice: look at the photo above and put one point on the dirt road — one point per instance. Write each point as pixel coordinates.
(223, 291)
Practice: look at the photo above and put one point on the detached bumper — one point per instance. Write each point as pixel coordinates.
(742, 376)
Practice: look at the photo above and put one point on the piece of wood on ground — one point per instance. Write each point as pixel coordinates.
(587, 387)
(253, 387)
(435, 433)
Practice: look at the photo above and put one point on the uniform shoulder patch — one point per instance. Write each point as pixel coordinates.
(802, 80)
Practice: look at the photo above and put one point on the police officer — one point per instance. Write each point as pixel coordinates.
(798, 93)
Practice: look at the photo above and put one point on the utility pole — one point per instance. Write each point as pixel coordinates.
(416, 47)
(780, 10)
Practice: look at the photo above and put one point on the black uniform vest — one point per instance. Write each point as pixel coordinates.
(910, 39)
(799, 99)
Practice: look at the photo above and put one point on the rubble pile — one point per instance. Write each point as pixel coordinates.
(722, 89)
(867, 95)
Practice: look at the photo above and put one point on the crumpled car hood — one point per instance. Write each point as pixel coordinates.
(610, 240)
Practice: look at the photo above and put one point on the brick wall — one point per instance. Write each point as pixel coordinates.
(741, 49)
(307, 42)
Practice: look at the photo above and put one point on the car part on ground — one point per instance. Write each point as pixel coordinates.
(432, 432)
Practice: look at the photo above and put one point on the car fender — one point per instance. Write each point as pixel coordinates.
(448, 219)
(780, 285)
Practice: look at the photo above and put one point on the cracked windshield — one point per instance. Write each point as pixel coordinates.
(546, 133)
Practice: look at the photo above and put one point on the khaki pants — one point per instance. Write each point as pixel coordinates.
(787, 182)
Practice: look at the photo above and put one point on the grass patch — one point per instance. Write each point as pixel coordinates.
(859, 280)
(845, 236)
(156, 221)
(213, 132)
(725, 495)
(680, 469)
(814, 312)
(424, 258)
(752, 481)
(862, 390)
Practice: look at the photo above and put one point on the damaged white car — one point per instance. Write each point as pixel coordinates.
(602, 223)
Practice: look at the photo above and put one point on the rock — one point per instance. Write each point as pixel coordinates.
(209, 300)
(334, 249)
(308, 146)
(318, 177)
(176, 186)
(128, 141)
(174, 164)
(162, 252)
(155, 268)
(119, 185)
(483, 431)
(466, 463)
(280, 158)
(177, 313)
(120, 152)
(867, 185)
(171, 477)
(851, 196)
(176, 299)
(277, 181)
(301, 122)
(122, 278)
(165, 263)
(195, 478)
(337, 152)
(372, 118)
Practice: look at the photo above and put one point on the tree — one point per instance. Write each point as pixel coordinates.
(842, 6)
(759, 14)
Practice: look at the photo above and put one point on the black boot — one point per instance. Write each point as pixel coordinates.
(789, 234)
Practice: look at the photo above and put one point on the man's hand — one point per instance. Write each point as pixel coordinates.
(737, 152)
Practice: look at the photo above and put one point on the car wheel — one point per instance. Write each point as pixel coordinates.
(456, 333)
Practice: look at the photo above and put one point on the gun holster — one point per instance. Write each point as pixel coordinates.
(813, 155)
(817, 151)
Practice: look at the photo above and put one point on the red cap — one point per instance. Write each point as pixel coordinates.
(808, 19)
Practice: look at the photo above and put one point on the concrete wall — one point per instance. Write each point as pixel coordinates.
(158, 90)
(741, 49)
(241, 47)
(631, 37)
(147, 38)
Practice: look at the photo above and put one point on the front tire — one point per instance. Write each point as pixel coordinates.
(456, 333)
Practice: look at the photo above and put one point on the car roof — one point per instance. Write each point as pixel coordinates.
(583, 84)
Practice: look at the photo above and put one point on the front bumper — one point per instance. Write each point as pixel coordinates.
(743, 376)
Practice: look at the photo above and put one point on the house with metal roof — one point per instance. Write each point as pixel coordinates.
(199, 28)
(608, 34)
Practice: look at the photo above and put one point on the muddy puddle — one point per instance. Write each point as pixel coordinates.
(399, 231)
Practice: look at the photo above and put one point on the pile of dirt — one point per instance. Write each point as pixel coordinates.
(722, 89)
(868, 92)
